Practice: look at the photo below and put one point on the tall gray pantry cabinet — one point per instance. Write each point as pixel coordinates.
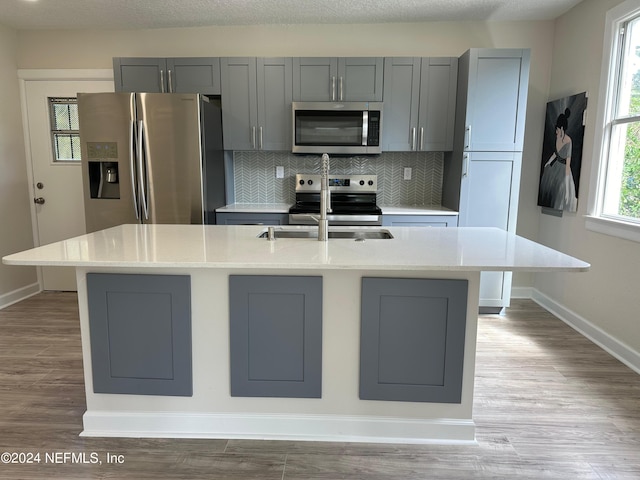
(482, 173)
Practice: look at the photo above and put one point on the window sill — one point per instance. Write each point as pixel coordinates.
(614, 228)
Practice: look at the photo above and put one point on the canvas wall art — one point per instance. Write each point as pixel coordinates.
(562, 153)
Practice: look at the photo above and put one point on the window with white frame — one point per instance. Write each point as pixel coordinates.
(64, 129)
(615, 208)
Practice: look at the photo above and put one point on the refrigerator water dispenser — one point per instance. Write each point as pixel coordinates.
(104, 180)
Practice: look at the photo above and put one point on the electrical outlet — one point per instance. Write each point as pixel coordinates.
(279, 171)
(407, 173)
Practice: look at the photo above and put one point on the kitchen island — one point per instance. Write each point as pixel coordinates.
(211, 331)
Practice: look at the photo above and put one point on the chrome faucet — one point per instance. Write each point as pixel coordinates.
(325, 201)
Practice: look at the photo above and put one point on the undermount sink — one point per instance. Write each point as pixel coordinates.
(368, 234)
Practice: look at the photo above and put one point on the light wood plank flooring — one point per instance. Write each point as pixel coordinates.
(549, 405)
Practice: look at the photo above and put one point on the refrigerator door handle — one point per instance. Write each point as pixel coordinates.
(132, 167)
(142, 151)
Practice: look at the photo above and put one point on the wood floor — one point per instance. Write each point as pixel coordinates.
(549, 405)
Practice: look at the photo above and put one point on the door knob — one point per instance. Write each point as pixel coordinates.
(38, 200)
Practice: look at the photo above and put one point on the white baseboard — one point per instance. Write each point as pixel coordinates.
(327, 428)
(522, 292)
(18, 295)
(612, 345)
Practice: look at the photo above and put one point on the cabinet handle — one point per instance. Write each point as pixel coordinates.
(260, 138)
(465, 166)
(468, 135)
(421, 138)
(253, 137)
(333, 88)
(341, 88)
(161, 81)
(413, 139)
(170, 81)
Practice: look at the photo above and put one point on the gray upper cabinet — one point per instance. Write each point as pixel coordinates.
(494, 84)
(337, 79)
(256, 103)
(172, 75)
(419, 103)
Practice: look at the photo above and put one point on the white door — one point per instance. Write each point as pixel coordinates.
(59, 210)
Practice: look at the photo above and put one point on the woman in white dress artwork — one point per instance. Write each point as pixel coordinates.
(557, 181)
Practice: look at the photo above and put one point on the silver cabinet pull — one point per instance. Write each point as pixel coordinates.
(38, 201)
(170, 81)
(413, 138)
(341, 89)
(253, 137)
(421, 147)
(465, 166)
(333, 88)
(260, 145)
(162, 81)
(467, 143)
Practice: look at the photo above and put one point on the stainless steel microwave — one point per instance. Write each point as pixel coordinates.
(337, 127)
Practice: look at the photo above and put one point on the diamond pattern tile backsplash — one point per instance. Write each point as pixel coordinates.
(256, 182)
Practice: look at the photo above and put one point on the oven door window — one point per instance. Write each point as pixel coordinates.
(329, 128)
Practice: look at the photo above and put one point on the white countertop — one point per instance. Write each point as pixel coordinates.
(386, 209)
(217, 246)
(255, 208)
(416, 210)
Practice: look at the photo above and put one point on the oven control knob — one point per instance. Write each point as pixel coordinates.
(370, 183)
(301, 182)
(361, 182)
(310, 182)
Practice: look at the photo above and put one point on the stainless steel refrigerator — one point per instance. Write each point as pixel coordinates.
(150, 158)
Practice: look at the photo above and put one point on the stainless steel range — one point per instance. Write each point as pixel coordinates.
(353, 200)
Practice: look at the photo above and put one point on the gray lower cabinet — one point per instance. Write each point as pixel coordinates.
(412, 339)
(140, 332)
(419, 103)
(225, 218)
(275, 336)
(172, 75)
(419, 220)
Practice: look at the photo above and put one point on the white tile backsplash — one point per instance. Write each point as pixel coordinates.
(255, 175)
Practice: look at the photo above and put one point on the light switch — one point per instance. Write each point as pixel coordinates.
(279, 171)
(407, 173)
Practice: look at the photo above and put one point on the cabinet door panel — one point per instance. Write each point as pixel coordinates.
(195, 75)
(401, 97)
(274, 103)
(360, 79)
(437, 103)
(496, 109)
(239, 103)
(412, 339)
(140, 74)
(315, 79)
(275, 336)
(140, 333)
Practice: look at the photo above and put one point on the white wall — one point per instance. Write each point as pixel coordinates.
(607, 296)
(15, 215)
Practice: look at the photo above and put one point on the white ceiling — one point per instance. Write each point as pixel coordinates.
(133, 14)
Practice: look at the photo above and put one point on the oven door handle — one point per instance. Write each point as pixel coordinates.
(310, 219)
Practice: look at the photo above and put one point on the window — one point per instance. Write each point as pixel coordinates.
(64, 129)
(614, 201)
